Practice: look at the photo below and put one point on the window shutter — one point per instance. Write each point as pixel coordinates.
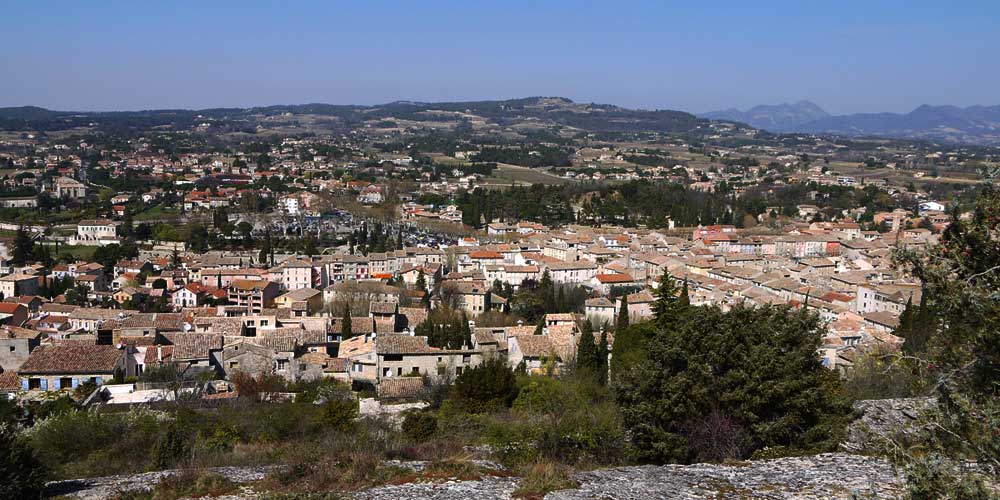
(24, 384)
(57, 385)
(75, 382)
(99, 381)
(44, 384)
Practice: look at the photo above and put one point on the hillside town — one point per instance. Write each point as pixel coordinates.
(175, 300)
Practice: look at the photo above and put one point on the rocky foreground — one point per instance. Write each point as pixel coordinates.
(827, 476)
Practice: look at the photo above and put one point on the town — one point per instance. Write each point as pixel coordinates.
(398, 255)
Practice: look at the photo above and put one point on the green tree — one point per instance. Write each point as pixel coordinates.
(346, 328)
(588, 359)
(623, 319)
(24, 247)
(957, 454)
(717, 385)
(23, 474)
(602, 358)
(666, 298)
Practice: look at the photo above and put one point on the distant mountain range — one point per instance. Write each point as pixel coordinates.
(774, 118)
(531, 111)
(974, 124)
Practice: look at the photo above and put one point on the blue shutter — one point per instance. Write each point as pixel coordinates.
(57, 385)
(24, 384)
(75, 382)
(45, 384)
(99, 381)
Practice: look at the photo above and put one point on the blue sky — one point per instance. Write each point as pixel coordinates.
(846, 56)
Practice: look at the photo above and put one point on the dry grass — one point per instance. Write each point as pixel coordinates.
(190, 483)
(543, 477)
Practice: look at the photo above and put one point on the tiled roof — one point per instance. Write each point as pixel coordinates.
(9, 382)
(72, 357)
(356, 346)
(402, 344)
(534, 346)
(401, 388)
(190, 346)
(383, 307)
(158, 354)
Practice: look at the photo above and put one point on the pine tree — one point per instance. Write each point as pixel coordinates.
(622, 314)
(684, 300)
(540, 328)
(421, 281)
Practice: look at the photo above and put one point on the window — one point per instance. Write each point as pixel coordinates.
(415, 371)
(458, 370)
(12, 348)
(234, 365)
(399, 371)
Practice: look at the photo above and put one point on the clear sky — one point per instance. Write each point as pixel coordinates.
(845, 55)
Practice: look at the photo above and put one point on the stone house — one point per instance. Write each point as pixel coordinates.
(65, 365)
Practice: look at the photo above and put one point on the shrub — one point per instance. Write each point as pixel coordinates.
(590, 434)
(419, 425)
(885, 375)
(251, 387)
(489, 386)
(337, 413)
(192, 484)
(756, 367)
(170, 447)
(23, 475)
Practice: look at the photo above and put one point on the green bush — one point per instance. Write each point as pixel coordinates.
(23, 475)
(419, 425)
(170, 447)
(337, 413)
(487, 387)
(590, 434)
(716, 385)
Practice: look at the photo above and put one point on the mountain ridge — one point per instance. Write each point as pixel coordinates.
(977, 124)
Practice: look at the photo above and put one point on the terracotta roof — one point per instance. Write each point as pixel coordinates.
(158, 354)
(356, 346)
(9, 382)
(72, 357)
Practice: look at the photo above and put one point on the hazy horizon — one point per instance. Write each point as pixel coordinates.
(847, 57)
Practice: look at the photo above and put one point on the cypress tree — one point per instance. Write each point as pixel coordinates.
(602, 358)
(346, 329)
(622, 314)
(587, 356)
(666, 296)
